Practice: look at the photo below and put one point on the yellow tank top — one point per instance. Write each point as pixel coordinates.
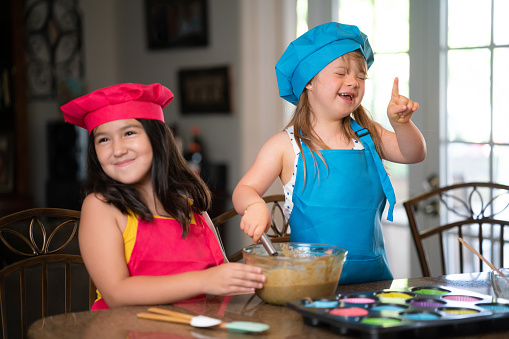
(129, 235)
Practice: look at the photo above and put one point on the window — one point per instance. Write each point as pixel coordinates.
(386, 23)
(302, 17)
(476, 141)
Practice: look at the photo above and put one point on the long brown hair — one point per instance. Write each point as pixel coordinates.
(303, 117)
(173, 181)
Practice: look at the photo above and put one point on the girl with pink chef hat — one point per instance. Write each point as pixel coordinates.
(142, 234)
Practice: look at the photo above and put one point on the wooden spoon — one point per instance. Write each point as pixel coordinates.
(481, 257)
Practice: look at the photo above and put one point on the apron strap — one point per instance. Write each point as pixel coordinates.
(363, 134)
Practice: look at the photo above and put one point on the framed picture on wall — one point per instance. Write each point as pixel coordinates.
(205, 90)
(176, 23)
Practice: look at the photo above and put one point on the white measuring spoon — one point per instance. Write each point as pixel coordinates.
(202, 321)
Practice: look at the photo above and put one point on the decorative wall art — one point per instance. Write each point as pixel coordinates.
(53, 46)
(205, 90)
(176, 23)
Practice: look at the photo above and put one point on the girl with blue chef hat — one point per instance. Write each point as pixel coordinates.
(143, 232)
(329, 157)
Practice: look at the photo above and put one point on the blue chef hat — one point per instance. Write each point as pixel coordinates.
(312, 51)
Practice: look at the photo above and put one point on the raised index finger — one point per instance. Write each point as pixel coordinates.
(395, 89)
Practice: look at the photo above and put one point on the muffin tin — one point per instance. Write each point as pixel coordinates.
(418, 312)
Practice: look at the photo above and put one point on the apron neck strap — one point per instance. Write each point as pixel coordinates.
(365, 137)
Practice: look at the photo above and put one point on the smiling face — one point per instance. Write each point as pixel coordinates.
(124, 151)
(337, 90)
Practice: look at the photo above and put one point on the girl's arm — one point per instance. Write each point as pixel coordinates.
(247, 196)
(102, 248)
(406, 144)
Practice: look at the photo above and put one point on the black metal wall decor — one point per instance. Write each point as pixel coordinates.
(176, 23)
(205, 90)
(53, 30)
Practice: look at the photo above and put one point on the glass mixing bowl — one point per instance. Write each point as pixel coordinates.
(299, 271)
(500, 283)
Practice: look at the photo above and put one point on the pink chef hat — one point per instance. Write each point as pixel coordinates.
(123, 101)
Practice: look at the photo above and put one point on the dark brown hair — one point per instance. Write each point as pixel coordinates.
(173, 181)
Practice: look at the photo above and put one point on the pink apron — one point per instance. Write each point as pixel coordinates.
(160, 250)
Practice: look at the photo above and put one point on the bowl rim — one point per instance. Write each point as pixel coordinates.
(265, 256)
(504, 270)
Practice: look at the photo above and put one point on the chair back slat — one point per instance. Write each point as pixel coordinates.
(67, 297)
(480, 244)
(23, 300)
(44, 289)
(460, 253)
(501, 249)
(442, 261)
(3, 311)
(478, 212)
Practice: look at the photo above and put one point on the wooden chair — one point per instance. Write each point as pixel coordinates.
(41, 270)
(279, 229)
(477, 212)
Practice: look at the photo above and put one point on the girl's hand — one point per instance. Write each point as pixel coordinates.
(255, 221)
(400, 108)
(233, 278)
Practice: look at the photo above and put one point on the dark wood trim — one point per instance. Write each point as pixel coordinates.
(19, 199)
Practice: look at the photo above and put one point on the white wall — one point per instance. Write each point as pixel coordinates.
(134, 62)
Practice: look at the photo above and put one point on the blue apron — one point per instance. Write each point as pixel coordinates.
(343, 206)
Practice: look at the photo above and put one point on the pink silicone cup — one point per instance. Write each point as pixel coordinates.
(464, 298)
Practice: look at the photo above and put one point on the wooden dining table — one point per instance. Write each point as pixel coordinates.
(284, 322)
